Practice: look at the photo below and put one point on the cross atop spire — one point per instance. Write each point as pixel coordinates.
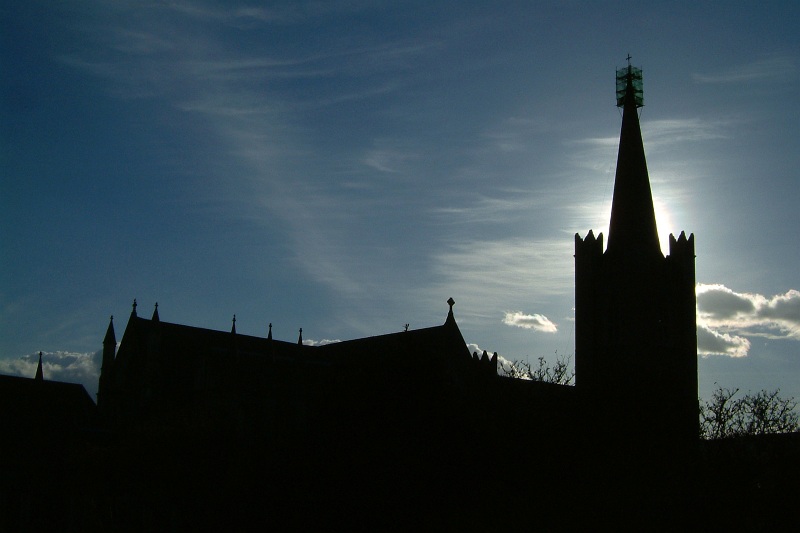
(110, 338)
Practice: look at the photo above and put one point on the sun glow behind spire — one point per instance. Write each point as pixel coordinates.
(664, 224)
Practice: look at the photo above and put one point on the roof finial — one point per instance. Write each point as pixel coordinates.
(629, 59)
(39, 373)
(233, 327)
(155, 314)
(133, 312)
(450, 316)
(110, 338)
(300, 338)
(270, 331)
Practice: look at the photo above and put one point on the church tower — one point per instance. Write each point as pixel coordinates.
(635, 324)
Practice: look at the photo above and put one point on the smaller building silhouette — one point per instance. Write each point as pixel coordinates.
(44, 428)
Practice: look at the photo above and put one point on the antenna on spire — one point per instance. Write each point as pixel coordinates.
(630, 79)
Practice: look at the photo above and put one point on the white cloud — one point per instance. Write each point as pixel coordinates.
(710, 342)
(536, 322)
(71, 367)
(323, 342)
(726, 318)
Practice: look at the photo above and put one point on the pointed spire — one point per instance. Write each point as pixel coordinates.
(632, 229)
(300, 338)
(133, 311)
(39, 373)
(109, 349)
(155, 314)
(110, 338)
(269, 336)
(233, 326)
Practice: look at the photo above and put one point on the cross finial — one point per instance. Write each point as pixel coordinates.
(629, 59)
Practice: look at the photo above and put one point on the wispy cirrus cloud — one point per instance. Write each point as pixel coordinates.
(776, 67)
(661, 133)
(535, 321)
(726, 318)
(500, 269)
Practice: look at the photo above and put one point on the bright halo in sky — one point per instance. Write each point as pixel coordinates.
(665, 225)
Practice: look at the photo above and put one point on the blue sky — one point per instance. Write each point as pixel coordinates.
(346, 167)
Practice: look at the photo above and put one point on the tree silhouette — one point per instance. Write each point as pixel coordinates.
(560, 373)
(761, 413)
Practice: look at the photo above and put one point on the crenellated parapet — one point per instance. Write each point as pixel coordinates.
(682, 247)
(680, 265)
(484, 365)
(588, 247)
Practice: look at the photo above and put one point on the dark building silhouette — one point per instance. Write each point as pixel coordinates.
(635, 324)
(162, 366)
(44, 426)
(413, 415)
(215, 430)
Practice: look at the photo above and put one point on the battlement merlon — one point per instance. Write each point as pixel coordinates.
(590, 245)
(682, 247)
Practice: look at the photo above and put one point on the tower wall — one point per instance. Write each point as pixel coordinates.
(635, 339)
(635, 333)
(589, 323)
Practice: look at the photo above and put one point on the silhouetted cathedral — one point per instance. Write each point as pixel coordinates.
(204, 429)
(636, 347)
